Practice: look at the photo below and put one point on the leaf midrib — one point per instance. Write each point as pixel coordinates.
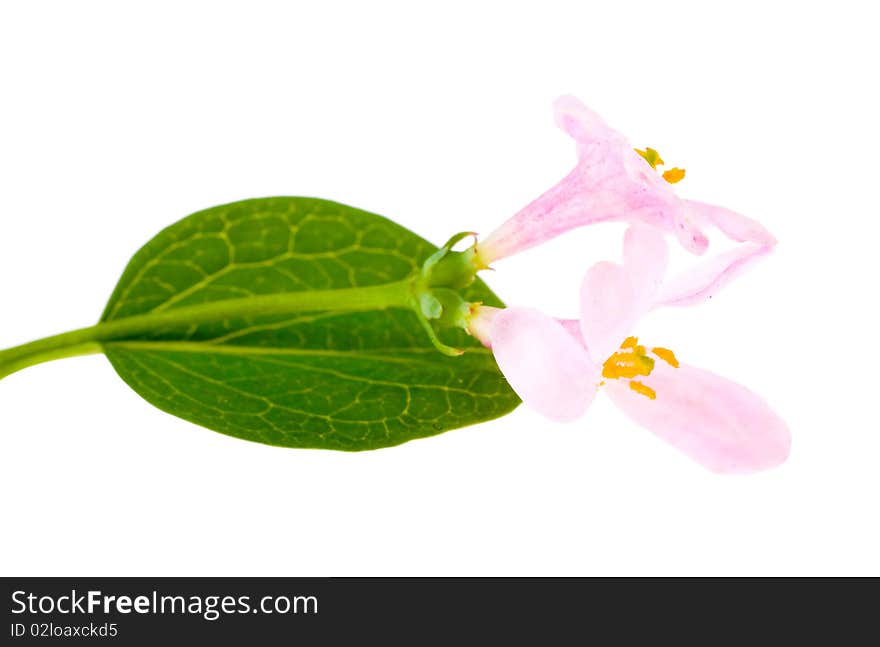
(240, 350)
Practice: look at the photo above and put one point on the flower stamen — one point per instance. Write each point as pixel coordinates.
(632, 361)
(666, 355)
(642, 389)
(674, 175)
(653, 158)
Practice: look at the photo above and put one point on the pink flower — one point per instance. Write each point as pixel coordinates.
(613, 181)
(556, 367)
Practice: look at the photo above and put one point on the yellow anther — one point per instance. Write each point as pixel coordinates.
(674, 175)
(630, 361)
(666, 355)
(651, 156)
(643, 389)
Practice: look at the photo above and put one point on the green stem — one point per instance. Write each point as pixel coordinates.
(86, 341)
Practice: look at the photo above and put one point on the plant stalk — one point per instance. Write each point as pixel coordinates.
(87, 341)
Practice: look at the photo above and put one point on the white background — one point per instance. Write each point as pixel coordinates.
(116, 119)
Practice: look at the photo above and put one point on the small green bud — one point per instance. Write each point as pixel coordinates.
(455, 309)
(430, 306)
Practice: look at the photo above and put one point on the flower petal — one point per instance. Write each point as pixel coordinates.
(716, 422)
(645, 257)
(688, 233)
(734, 225)
(708, 277)
(610, 307)
(566, 206)
(593, 136)
(543, 363)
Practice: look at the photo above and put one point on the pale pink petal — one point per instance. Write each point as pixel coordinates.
(566, 206)
(645, 257)
(716, 422)
(573, 328)
(543, 363)
(688, 233)
(592, 135)
(709, 276)
(734, 225)
(609, 309)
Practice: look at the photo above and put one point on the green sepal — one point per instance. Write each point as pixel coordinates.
(449, 269)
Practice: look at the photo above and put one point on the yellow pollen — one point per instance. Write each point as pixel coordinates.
(666, 355)
(674, 175)
(630, 361)
(651, 156)
(643, 389)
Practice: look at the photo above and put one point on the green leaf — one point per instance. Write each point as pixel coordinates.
(285, 321)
